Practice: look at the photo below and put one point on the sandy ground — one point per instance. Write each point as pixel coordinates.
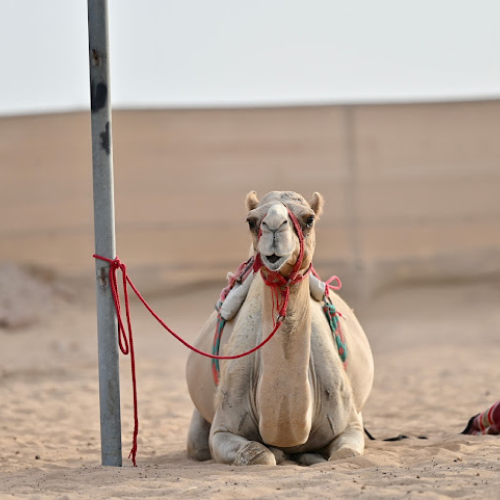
(436, 350)
(416, 200)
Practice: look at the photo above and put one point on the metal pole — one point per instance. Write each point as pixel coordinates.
(104, 227)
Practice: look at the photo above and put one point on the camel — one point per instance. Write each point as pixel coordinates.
(293, 399)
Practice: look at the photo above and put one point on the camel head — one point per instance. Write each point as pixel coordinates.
(273, 231)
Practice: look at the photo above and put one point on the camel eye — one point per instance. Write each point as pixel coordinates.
(309, 221)
(251, 224)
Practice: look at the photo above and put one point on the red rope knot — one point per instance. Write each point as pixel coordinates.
(280, 319)
(329, 287)
(112, 262)
(118, 264)
(336, 287)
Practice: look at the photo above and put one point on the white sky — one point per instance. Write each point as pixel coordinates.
(229, 52)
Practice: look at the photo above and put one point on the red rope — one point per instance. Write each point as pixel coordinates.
(125, 342)
(240, 275)
(329, 287)
(278, 283)
(126, 338)
(117, 264)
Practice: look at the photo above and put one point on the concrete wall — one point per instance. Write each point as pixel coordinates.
(412, 191)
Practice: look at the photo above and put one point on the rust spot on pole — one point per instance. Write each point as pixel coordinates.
(95, 58)
(103, 278)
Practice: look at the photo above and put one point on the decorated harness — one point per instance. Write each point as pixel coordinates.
(235, 293)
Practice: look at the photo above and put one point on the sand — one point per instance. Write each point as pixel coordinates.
(436, 350)
(426, 274)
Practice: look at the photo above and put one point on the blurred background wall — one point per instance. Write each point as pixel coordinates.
(411, 190)
(391, 112)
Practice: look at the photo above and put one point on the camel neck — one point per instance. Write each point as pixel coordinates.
(284, 395)
(292, 340)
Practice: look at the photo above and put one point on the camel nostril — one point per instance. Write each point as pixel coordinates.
(273, 258)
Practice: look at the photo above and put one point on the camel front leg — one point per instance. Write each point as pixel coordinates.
(229, 448)
(350, 443)
(197, 444)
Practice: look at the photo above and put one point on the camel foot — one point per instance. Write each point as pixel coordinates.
(343, 452)
(254, 453)
(279, 455)
(200, 454)
(309, 458)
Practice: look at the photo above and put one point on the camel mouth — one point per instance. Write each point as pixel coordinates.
(273, 258)
(273, 262)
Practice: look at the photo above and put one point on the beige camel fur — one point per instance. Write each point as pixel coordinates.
(293, 398)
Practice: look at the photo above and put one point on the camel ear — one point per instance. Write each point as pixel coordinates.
(316, 204)
(252, 200)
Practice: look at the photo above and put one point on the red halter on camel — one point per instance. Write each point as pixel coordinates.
(276, 281)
